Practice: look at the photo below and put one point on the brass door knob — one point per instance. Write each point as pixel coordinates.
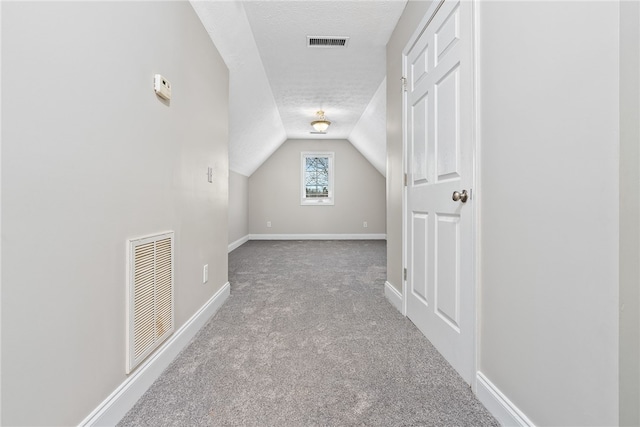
(458, 196)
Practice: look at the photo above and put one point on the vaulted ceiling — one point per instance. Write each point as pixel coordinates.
(277, 83)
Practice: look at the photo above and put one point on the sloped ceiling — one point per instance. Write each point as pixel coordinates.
(255, 128)
(277, 83)
(369, 135)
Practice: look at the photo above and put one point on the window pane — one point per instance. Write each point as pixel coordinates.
(317, 177)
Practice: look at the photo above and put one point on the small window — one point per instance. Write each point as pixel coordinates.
(317, 178)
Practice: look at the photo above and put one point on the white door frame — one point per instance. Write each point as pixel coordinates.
(475, 207)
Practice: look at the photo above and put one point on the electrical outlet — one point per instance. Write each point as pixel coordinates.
(364, 224)
(268, 224)
(205, 273)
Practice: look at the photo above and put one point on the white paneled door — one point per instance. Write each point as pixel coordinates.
(439, 252)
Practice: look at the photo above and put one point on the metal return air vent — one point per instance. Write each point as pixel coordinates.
(150, 316)
(327, 41)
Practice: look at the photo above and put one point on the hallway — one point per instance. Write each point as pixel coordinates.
(307, 338)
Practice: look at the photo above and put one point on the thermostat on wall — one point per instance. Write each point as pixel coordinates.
(162, 86)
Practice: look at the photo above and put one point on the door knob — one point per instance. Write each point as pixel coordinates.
(458, 196)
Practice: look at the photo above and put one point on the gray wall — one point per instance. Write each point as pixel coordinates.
(629, 213)
(90, 158)
(238, 206)
(274, 193)
(548, 198)
(413, 13)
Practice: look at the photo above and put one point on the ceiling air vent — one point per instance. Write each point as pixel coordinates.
(327, 41)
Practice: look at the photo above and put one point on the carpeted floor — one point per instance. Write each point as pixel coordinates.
(307, 339)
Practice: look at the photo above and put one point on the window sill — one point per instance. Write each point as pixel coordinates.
(321, 202)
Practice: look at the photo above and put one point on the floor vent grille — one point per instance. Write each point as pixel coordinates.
(326, 41)
(150, 316)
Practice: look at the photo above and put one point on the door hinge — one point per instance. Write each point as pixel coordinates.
(403, 80)
(405, 274)
(406, 179)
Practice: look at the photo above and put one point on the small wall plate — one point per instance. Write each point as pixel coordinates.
(162, 87)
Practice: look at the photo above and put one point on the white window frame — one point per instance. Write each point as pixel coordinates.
(317, 201)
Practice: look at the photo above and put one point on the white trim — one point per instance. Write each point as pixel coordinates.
(394, 296)
(381, 236)
(405, 188)
(115, 407)
(477, 192)
(1, 258)
(498, 404)
(241, 241)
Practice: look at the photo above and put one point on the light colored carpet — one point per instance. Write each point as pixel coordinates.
(307, 339)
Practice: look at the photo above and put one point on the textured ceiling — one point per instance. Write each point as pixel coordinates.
(255, 128)
(277, 83)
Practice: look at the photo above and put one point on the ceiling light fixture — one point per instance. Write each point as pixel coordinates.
(321, 124)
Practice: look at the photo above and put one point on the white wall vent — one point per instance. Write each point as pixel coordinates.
(327, 41)
(150, 318)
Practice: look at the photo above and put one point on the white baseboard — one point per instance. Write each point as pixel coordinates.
(394, 297)
(498, 404)
(381, 236)
(116, 406)
(238, 243)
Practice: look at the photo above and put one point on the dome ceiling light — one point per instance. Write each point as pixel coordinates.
(321, 124)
